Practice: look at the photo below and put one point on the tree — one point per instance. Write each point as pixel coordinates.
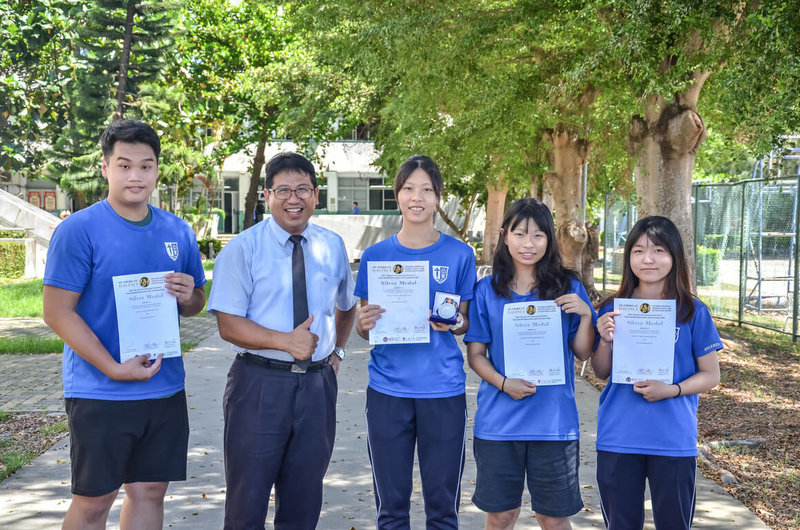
(666, 54)
(116, 48)
(248, 61)
(34, 67)
(497, 92)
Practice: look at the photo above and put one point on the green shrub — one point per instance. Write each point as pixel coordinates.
(12, 234)
(12, 259)
(707, 265)
(202, 244)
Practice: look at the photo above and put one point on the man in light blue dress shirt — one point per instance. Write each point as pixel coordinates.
(280, 399)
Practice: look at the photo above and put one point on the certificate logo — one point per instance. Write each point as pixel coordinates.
(144, 281)
(531, 309)
(440, 273)
(398, 269)
(172, 249)
(644, 308)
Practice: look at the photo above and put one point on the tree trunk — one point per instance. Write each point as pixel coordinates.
(460, 231)
(567, 159)
(495, 209)
(251, 198)
(589, 258)
(540, 191)
(124, 62)
(664, 144)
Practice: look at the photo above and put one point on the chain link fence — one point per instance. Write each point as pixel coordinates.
(746, 240)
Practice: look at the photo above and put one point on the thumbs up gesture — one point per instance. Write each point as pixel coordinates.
(302, 343)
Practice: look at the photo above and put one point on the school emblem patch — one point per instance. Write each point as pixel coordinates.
(440, 273)
(172, 249)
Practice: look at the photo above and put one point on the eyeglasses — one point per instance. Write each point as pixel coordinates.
(284, 193)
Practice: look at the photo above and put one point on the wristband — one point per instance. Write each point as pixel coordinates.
(680, 390)
(503, 385)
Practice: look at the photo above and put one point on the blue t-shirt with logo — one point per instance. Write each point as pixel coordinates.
(89, 248)
(628, 423)
(435, 369)
(550, 413)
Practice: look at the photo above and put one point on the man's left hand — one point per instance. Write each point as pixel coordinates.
(335, 362)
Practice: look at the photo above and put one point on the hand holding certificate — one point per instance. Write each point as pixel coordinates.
(533, 342)
(644, 340)
(147, 316)
(401, 289)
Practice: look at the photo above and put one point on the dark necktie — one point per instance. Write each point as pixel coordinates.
(299, 296)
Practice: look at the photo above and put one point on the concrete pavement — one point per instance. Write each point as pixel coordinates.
(37, 496)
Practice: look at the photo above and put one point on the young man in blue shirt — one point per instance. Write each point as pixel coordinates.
(128, 421)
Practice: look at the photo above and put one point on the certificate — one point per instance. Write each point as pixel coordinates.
(147, 316)
(644, 340)
(401, 288)
(533, 345)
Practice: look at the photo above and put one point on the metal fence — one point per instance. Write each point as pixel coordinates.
(746, 240)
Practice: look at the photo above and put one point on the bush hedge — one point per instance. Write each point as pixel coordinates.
(707, 265)
(12, 259)
(202, 244)
(12, 234)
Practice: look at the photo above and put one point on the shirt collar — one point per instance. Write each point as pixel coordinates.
(282, 236)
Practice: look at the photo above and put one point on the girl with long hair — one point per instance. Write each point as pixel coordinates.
(647, 431)
(521, 428)
(416, 395)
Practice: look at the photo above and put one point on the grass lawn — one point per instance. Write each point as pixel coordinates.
(21, 298)
(31, 345)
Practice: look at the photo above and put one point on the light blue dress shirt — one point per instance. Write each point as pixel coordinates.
(253, 279)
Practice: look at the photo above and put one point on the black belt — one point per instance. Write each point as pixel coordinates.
(274, 364)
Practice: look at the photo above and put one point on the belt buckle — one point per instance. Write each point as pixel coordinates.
(298, 369)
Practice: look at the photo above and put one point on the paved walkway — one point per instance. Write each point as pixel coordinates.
(32, 383)
(37, 496)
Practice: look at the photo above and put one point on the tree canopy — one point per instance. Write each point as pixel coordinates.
(510, 97)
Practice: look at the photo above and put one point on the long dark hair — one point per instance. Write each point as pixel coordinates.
(662, 232)
(552, 278)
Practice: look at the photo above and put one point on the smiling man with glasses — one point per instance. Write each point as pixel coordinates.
(283, 296)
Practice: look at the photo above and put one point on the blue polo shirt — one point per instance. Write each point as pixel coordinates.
(87, 250)
(435, 369)
(550, 413)
(628, 423)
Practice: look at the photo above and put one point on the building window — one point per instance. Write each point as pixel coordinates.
(352, 189)
(381, 196)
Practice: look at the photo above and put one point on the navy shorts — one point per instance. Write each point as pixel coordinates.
(551, 468)
(118, 442)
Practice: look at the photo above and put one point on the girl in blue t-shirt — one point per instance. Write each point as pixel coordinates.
(528, 425)
(647, 431)
(416, 397)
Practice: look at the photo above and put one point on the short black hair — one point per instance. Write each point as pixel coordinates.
(292, 162)
(132, 132)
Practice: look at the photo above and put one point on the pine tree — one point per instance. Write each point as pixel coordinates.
(119, 45)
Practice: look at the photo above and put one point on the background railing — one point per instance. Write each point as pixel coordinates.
(747, 247)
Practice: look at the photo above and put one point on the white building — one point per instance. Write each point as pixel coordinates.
(347, 175)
